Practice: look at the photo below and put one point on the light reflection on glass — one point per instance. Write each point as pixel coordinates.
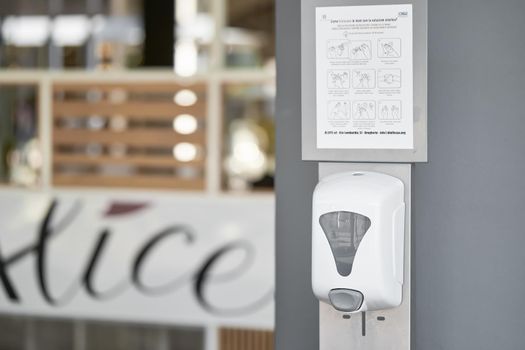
(71, 30)
(249, 148)
(186, 58)
(26, 31)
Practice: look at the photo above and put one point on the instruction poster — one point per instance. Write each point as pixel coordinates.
(364, 77)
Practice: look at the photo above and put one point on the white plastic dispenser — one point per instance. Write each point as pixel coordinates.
(358, 241)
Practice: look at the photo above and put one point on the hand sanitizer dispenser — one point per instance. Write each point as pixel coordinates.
(358, 241)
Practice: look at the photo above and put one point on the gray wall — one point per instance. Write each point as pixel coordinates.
(297, 313)
(468, 201)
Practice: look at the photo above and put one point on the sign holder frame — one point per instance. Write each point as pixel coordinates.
(308, 88)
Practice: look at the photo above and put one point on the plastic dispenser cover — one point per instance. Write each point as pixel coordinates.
(344, 231)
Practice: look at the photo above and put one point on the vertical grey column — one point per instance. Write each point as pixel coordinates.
(297, 312)
(469, 200)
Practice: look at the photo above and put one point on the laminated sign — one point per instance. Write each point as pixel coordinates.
(364, 74)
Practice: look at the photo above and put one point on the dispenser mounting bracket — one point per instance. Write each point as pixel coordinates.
(387, 329)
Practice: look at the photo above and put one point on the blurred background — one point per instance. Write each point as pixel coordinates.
(159, 113)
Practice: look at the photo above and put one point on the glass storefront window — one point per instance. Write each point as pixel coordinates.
(249, 36)
(99, 132)
(21, 157)
(73, 34)
(195, 32)
(249, 132)
(107, 34)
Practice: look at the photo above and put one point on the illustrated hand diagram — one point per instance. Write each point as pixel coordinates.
(364, 80)
(364, 111)
(384, 112)
(395, 112)
(339, 111)
(390, 111)
(337, 50)
(339, 80)
(390, 78)
(389, 50)
(361, 51)
(340, 49)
